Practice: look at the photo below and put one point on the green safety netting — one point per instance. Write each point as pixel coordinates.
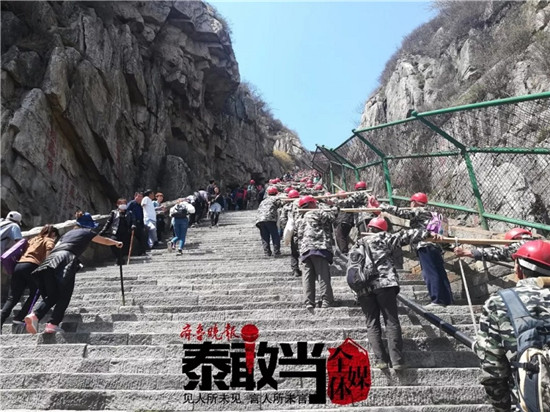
(490, 159)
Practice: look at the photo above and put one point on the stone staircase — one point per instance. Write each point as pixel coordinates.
(114, 357)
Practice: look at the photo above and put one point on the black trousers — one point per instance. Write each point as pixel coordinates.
(383, 301)
(56, 286)
(269, 232)
(20, 280)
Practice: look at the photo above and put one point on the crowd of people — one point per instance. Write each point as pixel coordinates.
(317, 226)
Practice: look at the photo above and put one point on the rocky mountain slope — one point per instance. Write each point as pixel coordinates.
(470, 52)
(102, 98)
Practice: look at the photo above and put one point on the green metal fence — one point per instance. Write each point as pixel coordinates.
(488, 161)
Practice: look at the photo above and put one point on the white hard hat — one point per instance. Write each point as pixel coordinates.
(14, 216)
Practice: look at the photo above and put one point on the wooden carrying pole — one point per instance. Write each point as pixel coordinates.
(474, 241)
(543, 281)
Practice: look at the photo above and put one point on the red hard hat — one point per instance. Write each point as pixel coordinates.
(379, 223)
(272, 190)
(420, 197)
(294, 194)
(536, 251)
(305, 200)
(271, 181)
(318, 187)
(276, 180)
(288, 189)
(252, 182)
(309, 184)
(360, 185)
(516, 233)
(303, 179)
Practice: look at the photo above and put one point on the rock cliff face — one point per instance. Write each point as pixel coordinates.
(472, 51)
(102, 98)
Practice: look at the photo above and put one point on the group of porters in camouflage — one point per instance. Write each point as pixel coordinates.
(513, 341)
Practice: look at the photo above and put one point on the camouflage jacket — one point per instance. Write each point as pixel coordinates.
(314, 229)
(419, 218)
(496, 344)
(357, 199)
(381, 246)
(494, 254)
(267, 211)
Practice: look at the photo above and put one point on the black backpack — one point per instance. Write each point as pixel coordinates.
(531, 368)
(180, 212)
(361, 268)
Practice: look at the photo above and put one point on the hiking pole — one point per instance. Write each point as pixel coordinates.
(121, 281)
(467, 290)
(131, 245)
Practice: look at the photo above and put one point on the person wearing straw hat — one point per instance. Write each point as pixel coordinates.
(56, 275)
(496, 343)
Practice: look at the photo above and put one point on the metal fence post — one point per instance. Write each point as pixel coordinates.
(469, 166)
(387, 176)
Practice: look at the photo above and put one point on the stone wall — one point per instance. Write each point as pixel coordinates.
(102, 98)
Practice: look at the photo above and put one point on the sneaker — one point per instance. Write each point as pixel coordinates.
(31, 323)
(327, 304)
(170, 245)
(310, 306)
(399, 367)
(296, 273)
(180, 252)
(51, 328)
(17, 322)
(380, 365)
(435, 304)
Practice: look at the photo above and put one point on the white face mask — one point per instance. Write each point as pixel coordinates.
(122, 207)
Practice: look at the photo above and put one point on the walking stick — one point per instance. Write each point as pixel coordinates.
(122, 280)
(130, 249)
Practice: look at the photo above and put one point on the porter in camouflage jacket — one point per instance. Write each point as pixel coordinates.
(493, 254)
(314, 229)
(381, 246)
(267, 211)
(419, 218)
(496, 344)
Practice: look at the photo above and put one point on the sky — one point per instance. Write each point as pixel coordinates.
(315, 63)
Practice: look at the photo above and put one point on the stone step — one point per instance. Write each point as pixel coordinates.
(105, 322)
(228, 312)
(150, 381)
(183, 400)
(63, 349)
(424, 408)
(410, 333)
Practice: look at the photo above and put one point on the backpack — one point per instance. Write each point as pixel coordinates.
(438, 224)
(361, 268)
(11, 256)
(531, 368)
(179, 212)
